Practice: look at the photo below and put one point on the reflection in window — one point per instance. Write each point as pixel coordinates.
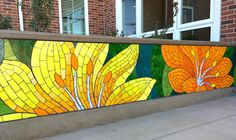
(129, 17)
(197, 34)
(157, 14)
(73, 17)
(194, 10)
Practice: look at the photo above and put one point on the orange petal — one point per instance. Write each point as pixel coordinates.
(221, 82)
(175, 57)
(215, 55)
(177, 77)
(190, 85)
(222, 68)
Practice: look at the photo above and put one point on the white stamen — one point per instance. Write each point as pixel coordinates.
(100, 95)
(203, 61)
(76, 92)
(88, 92)
(73, 99)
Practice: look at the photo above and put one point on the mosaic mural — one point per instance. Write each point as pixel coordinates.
(39, 78)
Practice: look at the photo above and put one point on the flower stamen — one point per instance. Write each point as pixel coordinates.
(105, 81)
(61, 83)
(89, 72)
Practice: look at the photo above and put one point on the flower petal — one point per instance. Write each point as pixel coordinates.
(215, 55)
(176, 58)
(50, 58)
(120, 67)
(91, 57)
(16, 116)
(221, 82)
(135, 90)
(177, 77)
(20, 91)
(191, 86)
(222, 68)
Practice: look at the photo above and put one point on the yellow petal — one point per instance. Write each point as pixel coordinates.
(120, 66)
(91, 57)
(135, 90)
(20, 91)
(16, 116)
(50, 58)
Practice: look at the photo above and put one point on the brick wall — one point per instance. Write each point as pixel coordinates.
(228, 20)
(110, 16)
(9, 8)
(96, 17)
(55, 26)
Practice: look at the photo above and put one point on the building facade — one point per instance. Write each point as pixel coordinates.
(213, 20)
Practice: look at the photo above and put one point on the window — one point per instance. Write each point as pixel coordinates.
(129, 17)
(157, 14)
(73, 19)
(193, 18)
(193, 10)
(197, 34)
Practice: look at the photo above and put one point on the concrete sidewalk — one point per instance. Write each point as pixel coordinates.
(213, 120)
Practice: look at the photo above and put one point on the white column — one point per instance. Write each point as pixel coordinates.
(86, 15)
(177, 22)
(216, 19)
(21, 20)
(139, 18)
(119, 22)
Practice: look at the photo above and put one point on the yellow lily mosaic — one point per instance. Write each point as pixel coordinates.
(67, 78)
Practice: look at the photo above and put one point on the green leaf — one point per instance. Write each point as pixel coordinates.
(4, 109)
(235, 76)
(23, 50)
(229, 52)
(157, 68)
(9, 54)
(167, 89)
(1, 51)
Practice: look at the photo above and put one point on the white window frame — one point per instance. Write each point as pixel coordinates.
(86, 17)
(213, 22)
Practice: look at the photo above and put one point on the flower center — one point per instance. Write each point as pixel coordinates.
(201, 74)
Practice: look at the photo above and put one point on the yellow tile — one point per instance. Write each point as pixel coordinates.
(30, 103)
(27, 115)
(24, 87)
(11, 104)
(19, 103)
(14, 85)
(12, 117)
(10, 92)
(3, 96)
(32, 98)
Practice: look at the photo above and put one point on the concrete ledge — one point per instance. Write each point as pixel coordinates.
(62, 123)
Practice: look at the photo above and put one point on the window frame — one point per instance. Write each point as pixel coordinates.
(213, 22)
(86, 18)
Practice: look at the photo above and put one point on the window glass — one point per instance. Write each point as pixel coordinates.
(197, 34)
(129, 17)
(194, 10)
(157, 14)
(73, 16)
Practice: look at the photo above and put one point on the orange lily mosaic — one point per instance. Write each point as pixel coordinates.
(197, 68)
